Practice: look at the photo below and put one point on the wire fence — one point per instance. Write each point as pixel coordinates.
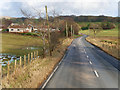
(11, 67)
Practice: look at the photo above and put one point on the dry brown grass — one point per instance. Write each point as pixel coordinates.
(33, 75)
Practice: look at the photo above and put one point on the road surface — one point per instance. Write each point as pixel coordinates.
(85, 66)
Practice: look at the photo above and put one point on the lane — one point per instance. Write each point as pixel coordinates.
(84, 67)
(108, 73)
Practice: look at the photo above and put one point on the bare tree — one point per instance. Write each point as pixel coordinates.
(96, 28)
(50, 24)
(38, 26)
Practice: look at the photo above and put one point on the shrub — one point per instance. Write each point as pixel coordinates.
(107, 25)
(84, 28)
(30, 34)
(5, 30)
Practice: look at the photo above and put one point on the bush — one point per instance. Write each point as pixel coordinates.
(30, 34)
(84, 28)
(107, 25)
(5, 30)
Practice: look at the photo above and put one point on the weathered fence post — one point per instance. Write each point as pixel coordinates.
(24, 60)
(34, 55)
(20, 61)
(15, 65)
(37, 54)
(31, 56)
(8, 69)
(28, 58)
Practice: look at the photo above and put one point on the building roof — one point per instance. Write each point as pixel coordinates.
(17, 26)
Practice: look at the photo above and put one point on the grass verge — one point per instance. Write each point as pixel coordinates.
(108, 45)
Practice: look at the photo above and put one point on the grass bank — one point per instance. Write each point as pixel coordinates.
(33, 75)
(108, 45)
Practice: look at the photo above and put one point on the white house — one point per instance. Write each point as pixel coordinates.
(16, 28)
(19, 28)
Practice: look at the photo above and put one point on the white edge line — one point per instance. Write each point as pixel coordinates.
(60, 62)
(47, 81)
(55, 69)
(96, 73)
(51, 74)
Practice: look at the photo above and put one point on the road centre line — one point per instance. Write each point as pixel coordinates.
(96, 73)
(87, 56)
(90, 62)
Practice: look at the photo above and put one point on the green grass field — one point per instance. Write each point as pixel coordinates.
(111, 33)
(18, 44)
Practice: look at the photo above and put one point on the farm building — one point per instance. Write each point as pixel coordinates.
(16, 28)
(19, 28)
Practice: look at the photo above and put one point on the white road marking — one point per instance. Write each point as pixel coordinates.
(60, 62)
(87, 56)
(55, 69)
(90, 62)
(51, 75)
(96, 73)
(49, 78)
(85, 52)
(47, 81)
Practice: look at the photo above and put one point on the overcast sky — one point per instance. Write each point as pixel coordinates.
(64, 7)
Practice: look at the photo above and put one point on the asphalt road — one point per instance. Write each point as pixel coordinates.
(85, 66)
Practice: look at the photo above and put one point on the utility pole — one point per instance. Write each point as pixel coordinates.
(66, 30)
(49, 41)
(71, 30)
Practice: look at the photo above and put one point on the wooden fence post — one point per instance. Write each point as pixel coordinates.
(31, 56)
(28, 58)
(24, 60)
(34, 55)
(20, 61)
(37, 54)
(8, 69)
(15, 65)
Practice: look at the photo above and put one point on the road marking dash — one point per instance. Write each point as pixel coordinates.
(87, 56)
(96, 73)
(90, 62)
